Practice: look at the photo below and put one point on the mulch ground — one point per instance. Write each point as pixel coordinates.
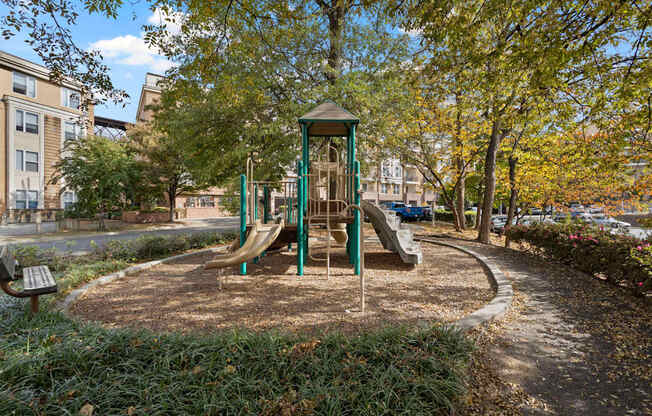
(181, 296)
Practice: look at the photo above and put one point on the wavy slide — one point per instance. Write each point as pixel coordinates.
(260, 237)
(392, 235)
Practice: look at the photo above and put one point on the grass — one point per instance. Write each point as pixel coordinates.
(51, 364)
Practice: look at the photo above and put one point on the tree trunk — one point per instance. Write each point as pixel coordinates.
(478, 211)
(459, 202)
(513, 194)
(335, 14)
(404, 185)
(378, 170)
(459, 165)
(101, 225)
(172, 196)
(489, 182)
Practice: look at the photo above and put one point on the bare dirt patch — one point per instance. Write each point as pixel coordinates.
(181, 296)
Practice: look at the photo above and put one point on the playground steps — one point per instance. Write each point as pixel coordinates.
(393, 235)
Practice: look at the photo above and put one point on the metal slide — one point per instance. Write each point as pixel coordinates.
(392, 234)
(260, 237)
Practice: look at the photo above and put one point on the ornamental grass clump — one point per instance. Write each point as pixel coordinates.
(617, 258)
(55, 366)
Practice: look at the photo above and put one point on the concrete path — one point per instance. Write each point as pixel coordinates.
(579, 346)
(81, 243)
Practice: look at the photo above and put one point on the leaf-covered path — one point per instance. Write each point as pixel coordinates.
(572, 345)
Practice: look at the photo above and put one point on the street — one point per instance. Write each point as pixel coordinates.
(81, 245)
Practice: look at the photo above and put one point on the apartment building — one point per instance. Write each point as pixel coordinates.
(203, 204)
(395, 181)
(36, 116)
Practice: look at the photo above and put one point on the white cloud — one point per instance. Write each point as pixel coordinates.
(133, 51)
(413, 32)
(171, 21)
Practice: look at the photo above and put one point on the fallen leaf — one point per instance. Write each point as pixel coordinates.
(86, 410)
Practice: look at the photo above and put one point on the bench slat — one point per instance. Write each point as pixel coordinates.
(38, 280)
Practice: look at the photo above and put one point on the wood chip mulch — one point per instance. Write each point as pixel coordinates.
(184, 297)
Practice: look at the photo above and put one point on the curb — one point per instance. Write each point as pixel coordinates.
(504, 292)
(66, 303)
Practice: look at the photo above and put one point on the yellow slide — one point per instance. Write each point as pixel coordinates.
(260, 237)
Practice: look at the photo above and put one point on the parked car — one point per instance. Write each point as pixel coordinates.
(427, 214)
(498, 223)
(609, 222)
(404, 212)
(561, 217)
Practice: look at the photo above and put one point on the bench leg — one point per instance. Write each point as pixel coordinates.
(33, 303)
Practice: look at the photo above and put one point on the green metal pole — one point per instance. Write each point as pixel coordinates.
(356, 222)
(255, 211)
(305, 191)
(265, 204)
(348, 193)
(300, 236)
(243, 218)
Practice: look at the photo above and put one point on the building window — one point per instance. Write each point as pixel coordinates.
(27, 122)
(32, 199)
(383, 188)
(190, 202)
(70, 98)
(19, 160)
(398, 172)
(26, 199)
(71, 130)
(68, 200)
(24, 84)
(386, 169)
(20, 122)
(206, 202)
(364, 187)
(21, 199)
(397, 189)
(31, 161)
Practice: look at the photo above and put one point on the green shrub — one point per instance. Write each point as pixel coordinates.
(155, 209)
(646, 221)
(150, 247)
(620, 259)
(447, 216)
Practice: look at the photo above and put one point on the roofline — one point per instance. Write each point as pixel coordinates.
(31, 68)
(321, 120)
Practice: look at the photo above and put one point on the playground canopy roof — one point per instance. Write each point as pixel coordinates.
(328, 119)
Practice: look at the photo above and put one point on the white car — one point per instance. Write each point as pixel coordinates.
(609, 222)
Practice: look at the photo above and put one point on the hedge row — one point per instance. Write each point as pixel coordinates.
(140, 249)
(447, 216)
(620, 259)
(150, 247)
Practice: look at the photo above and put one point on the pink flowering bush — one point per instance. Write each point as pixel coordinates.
(620, 259)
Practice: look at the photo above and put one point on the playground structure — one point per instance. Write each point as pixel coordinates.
(326, 195)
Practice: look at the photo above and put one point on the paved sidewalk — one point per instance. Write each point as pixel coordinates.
(81, 242)
(579, 346)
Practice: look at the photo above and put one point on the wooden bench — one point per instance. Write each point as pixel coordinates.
(37, 280)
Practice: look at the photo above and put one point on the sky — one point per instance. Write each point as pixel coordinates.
(122, 46)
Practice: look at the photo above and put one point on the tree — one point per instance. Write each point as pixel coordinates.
(516, 53)
(249, 69)
(164, 162)
(97, 170)
(443, 138)
(47, 25)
